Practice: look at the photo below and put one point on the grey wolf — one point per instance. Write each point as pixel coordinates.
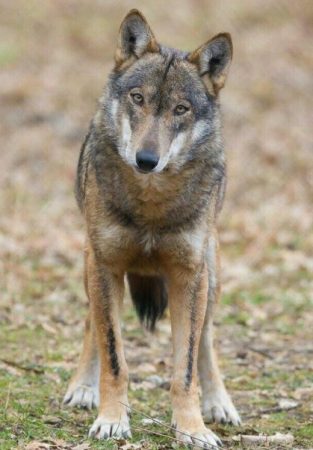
(150, 184)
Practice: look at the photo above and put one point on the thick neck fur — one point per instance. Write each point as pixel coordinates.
(164, 202)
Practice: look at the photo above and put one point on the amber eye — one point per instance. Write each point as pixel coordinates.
(137, 98)
(180, 110)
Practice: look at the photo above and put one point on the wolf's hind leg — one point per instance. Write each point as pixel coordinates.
(217, 405)
(83, 390)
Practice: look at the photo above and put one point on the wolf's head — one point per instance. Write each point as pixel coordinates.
(161, 104)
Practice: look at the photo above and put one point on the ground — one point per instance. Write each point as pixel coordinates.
(54, 58)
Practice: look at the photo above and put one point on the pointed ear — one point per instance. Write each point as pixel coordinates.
(213, 60)
(135, 38)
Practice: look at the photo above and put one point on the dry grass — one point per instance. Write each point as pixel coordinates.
(54, 58)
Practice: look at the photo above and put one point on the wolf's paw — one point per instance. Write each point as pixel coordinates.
(218, 407)
(82, 396)
(202, 439)
(103, 428)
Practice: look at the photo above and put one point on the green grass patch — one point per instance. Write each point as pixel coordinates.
(8, 54)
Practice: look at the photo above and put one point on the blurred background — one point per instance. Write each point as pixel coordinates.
(55, 56)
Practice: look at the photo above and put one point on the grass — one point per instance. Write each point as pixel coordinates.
(31, 412)
(54, 59)
(34, 384)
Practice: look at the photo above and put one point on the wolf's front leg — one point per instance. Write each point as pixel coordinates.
(187, 300)
(106, 293)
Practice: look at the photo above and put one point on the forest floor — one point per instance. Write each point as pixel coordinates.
(54, 58)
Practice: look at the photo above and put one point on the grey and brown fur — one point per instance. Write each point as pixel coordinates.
(153, 218)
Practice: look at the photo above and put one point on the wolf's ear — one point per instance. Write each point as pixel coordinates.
(135, 38)
(213, 60)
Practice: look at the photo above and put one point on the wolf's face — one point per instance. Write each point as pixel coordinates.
(161, 103)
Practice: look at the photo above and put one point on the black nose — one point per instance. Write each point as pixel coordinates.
(146, 160)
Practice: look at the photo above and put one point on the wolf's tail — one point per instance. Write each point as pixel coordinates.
(149, 296)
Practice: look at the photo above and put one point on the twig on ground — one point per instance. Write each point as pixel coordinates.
(278, 438)
(264, 353)
(275, 409)
(8, 397)
(206, 444)
(173, 438)
(22, 366)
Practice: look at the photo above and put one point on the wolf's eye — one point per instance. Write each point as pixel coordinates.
(137, 98)
(180, 110)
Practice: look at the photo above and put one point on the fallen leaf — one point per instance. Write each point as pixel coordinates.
(286, 404)
(36, 445)
(83, 446)
(52, 420)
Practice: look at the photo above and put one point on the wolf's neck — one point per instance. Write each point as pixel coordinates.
(165, 201)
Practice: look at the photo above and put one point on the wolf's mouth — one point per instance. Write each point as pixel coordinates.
(143, 172)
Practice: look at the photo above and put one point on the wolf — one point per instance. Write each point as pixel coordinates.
(150, 183)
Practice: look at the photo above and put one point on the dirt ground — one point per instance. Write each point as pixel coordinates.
(54, 59)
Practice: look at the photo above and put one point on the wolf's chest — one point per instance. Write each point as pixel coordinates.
(148, 242)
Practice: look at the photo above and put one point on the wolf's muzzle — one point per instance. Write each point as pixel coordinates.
(146, 160)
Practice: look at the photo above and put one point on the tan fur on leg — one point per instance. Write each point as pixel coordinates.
(106, 291)
(187, 301)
